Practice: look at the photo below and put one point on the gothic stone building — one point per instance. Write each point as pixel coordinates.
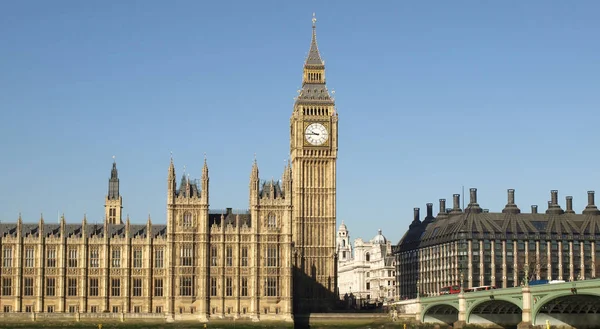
(274, 260)
(474, 247)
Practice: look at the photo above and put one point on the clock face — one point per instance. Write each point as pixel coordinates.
(316, 134)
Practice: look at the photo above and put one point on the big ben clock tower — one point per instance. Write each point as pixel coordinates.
(313, 151)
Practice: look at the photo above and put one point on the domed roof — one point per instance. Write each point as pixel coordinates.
(343, 227)
(379, 238)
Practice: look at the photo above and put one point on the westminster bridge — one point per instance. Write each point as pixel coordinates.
(571, 304)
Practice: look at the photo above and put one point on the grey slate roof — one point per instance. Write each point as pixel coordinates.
(75, 230)
(314, 57)
(475, 223)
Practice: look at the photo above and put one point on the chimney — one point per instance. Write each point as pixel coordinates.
(429, 210)
(554, 197)
(511, 207)
(443, 210)
(228, 211)
(511, 196)
(569, 205)
(416, 215)
(534, 209)
(473, 192)
(456, 208)
(591, 207)
(553, 206)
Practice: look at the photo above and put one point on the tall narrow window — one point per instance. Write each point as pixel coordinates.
(72, 261)
(272, 256)
(244, 290)
(228, 287)
(187, 219)
(271, 220)
(7, 257)
(271, 286)
(186, 256)
(244, 256)
(213, 256)
(158, 258)
(29, 257)
(229, 256)
(137, 258)
(158, 287)
(93, 287)
(72, 287)
(213, 286)
(116, 257)
(51, 257)
(185, 286)
(50, 286)
(6, 287)
(137, 287)
(94, 257)
(27, 286)
(115, 287)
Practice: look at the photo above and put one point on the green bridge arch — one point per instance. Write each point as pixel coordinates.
(541, 299)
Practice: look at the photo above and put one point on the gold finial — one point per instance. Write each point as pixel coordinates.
(254, 157)
(114, 158)
(171, 155)
(204, 156)
(314, 20)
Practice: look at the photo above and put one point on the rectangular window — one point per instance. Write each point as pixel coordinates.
(94, 257)
(213, 256)
(272, 256)
(244, 289)
(115, 309)
(72, 308)
(244, 256)
(213, 286)
(228, 287)
(137, 287)
(29, 257)
(158, 258)
(93, 309)
(158, 288)
(50, 286)
(27, 286)
(72, 261)
(72, 287)
(94, 287)
(271, 286)
(28, 308)
(185, 286)
(115, 287)
(186, 256)
(158, 309)
(6, 287)
(51, 257)
(7, 257)
(50, 309)
(229, 256)
(116, 257)
(137, 309)
(137, 258)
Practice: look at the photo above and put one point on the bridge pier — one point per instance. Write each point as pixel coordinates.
(526, 315)
(462, 311)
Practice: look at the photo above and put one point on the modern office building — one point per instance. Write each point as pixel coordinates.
(475, 247)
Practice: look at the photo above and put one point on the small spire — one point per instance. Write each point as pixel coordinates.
(114, 161)
(205, 168)
(149, 223)
(314, 20)
(84, 218)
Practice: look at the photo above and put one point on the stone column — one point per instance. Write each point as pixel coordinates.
(526, 315)
(593, 252)
(582, 260)
(493, 262)
(571, 265)
(538, 260)
(504, 280)
(470, 262)
(462, 311)
(560, 262)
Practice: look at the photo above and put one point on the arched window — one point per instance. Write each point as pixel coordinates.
(187, 219)
(343, 243)
(367, 257)
(272, 220)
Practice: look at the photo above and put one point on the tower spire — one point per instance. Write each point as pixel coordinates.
(314, 57)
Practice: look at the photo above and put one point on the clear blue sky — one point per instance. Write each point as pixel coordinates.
(431, 96)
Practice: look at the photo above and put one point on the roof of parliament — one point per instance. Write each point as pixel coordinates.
(475, 222)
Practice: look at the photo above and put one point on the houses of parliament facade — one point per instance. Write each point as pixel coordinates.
(273, 261)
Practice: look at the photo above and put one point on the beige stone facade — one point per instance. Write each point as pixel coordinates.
(268, 262)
